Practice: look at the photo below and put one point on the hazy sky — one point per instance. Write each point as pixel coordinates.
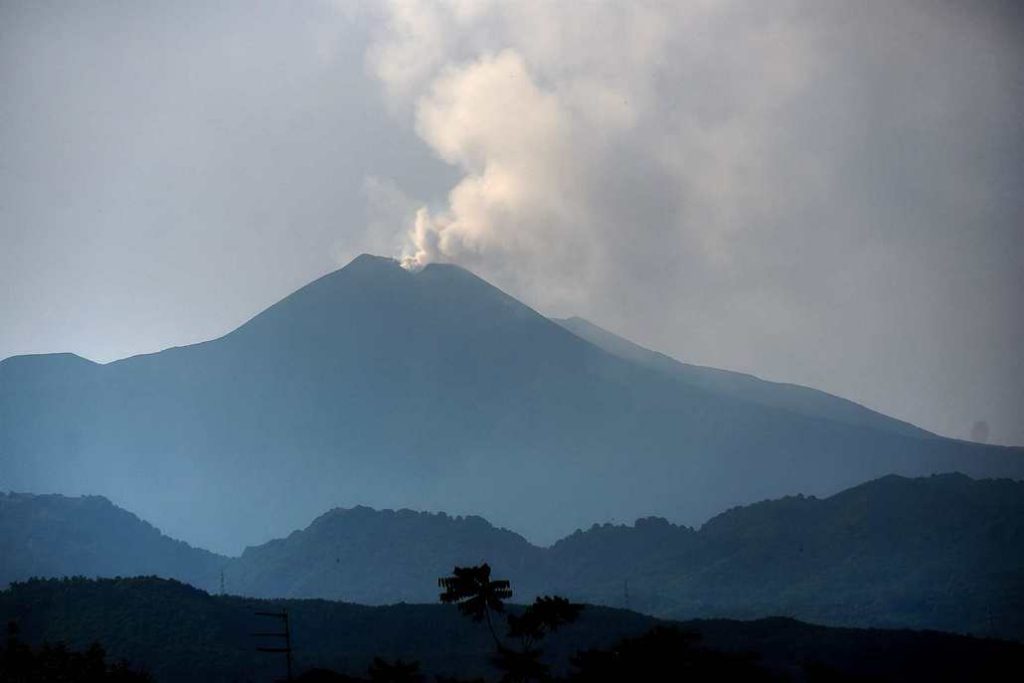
(826, 193)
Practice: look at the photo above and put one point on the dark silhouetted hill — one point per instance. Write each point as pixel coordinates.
(433, 390)
(179, 633)
(370, 557)
(943, 552)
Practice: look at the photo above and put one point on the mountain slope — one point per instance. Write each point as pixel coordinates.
(434, 390)
(942, 552)
(791, 397)
(51, 535)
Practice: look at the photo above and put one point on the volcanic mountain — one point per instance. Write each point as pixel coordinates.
(434, 390)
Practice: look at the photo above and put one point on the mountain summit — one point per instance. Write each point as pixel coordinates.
(433, 389)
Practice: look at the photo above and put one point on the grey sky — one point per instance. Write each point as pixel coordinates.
(816, 192)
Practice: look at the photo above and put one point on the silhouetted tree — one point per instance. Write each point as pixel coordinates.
(472, 589)
(544, 616)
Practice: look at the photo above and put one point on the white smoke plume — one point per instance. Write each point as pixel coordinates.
(749, 170)
(571, 121)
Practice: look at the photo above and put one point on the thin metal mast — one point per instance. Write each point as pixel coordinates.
(285, 635)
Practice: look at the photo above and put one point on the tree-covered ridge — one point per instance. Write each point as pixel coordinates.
(943, 552)
(376, 556)
(179, 633)
(53, 535)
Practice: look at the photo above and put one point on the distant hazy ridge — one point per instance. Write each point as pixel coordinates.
(944, 552)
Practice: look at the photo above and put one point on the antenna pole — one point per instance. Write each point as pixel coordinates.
(288, 644)
(285, 634)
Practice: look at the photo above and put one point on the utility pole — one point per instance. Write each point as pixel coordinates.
(285, 635)
(625, 591)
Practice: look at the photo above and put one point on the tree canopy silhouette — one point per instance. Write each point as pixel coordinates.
(20, 663)
(472, 589)
(477, 595)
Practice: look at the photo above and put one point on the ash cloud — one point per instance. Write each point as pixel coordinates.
(815, 192)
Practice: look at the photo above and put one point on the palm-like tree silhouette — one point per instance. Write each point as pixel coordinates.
(472, 589)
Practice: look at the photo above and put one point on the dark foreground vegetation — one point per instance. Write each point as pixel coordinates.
(55, 663)
(179, 633)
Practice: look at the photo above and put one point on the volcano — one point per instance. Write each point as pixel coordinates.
(434, 390)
